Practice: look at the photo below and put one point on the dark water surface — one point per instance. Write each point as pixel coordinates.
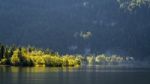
(76, 75)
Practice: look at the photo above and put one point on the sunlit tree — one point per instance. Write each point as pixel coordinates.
(101, 59)
(90, 60)
(133, 4)
(15, 59)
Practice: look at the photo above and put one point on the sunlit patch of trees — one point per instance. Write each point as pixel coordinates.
(31, 56)
(109, 60)
(132, 4)
(83, 35)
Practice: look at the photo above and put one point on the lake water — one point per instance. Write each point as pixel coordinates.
(76, 75)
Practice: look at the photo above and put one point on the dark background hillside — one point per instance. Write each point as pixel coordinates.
(53, 23)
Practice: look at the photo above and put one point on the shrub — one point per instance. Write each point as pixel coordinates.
(3, 61)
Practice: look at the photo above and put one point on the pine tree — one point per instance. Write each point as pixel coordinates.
(2, 51)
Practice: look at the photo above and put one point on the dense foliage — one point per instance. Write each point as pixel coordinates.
(30, 56)
(132, 4)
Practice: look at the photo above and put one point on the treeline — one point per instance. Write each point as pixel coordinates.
(31, 56)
